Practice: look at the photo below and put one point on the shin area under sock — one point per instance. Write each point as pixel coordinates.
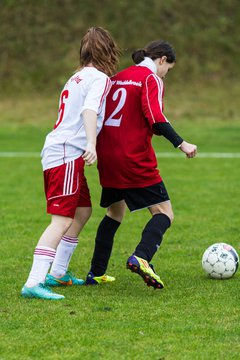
(103, 245)
(63, 256)
(42, 260)
(152, 236)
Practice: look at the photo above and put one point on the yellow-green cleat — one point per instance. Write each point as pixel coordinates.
(98, 280)
(145, 270)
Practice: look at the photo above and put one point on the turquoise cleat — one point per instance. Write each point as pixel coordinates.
(67, 280)
(40, 291)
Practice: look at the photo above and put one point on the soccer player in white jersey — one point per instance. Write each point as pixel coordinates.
(70, 145)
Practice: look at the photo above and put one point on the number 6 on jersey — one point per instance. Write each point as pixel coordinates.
(64, 95)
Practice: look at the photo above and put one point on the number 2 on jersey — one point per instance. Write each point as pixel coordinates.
(64, 96)
(113, 119)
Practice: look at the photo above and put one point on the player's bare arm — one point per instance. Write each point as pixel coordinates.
(90, 125)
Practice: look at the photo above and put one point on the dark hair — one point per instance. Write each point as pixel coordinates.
(99, 48)
(154, 50)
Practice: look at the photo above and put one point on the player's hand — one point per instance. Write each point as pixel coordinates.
(90, 155)
(189, 149)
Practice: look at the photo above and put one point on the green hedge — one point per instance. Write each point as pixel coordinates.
(39, 40)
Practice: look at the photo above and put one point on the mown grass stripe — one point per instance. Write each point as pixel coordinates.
(215, 155)
(20, 154)
(200, 155)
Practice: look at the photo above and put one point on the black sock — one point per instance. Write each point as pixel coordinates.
(152, 236)
(103, 245)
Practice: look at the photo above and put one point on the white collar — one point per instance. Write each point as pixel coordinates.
(149, 63)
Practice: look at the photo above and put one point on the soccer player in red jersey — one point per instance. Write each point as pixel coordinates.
(70, 145)
(127, 162)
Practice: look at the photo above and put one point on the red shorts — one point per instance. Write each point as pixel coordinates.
(66, 188)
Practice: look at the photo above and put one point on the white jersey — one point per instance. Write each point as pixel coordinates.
(86, 89)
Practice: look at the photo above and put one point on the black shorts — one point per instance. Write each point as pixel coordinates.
(135, 198)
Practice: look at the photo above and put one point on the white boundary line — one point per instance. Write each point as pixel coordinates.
(200, 155)
(213, 155)
(20, 154)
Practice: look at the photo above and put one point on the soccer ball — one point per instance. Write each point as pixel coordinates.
(220, 261)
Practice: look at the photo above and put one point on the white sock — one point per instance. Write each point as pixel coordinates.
(42, 260)
(63, 256)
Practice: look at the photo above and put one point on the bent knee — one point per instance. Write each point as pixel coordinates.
(66, 223)
(62, 222)
(83, 214)
(163, 208)
(171, 216)
(118, 216)
(117, 210)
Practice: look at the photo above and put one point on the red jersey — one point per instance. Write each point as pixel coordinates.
(126, 158)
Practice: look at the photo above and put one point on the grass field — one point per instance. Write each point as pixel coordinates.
(192, 318)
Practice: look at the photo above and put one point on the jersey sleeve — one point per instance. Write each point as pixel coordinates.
(152, 99)
(96, 94)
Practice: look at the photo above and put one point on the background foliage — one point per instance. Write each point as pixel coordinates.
(39, 40)
(194, 317)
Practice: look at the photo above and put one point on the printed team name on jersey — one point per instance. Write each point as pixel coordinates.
(127, 82)
(76, 78)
